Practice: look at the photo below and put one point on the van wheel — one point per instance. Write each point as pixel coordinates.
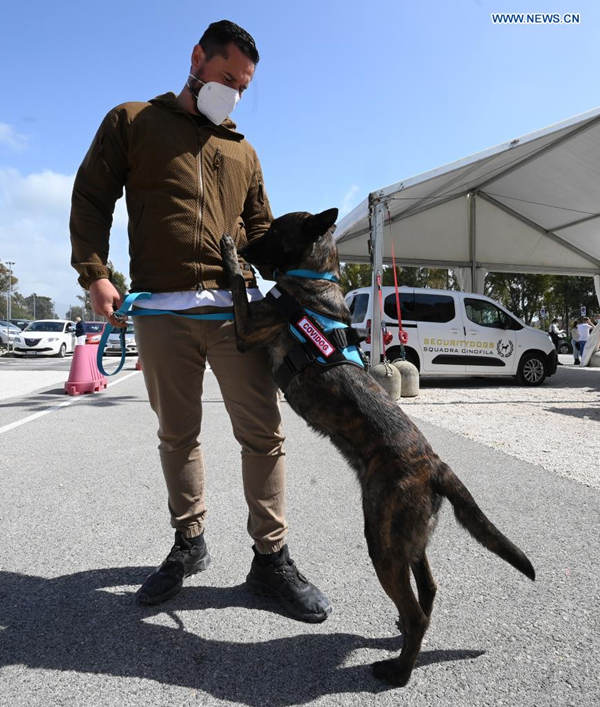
(62, 351)
(412, 357)
(394, 354)
(531, 369)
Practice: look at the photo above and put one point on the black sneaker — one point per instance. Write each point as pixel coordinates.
(277, 576)
(187, 556)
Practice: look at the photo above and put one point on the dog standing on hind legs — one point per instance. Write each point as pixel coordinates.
(403, 482)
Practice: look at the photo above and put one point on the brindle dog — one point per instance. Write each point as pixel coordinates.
(402, 480)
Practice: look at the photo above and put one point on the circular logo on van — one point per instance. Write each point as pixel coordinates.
(505, 348)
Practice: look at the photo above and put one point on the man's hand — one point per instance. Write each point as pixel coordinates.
(105, 300)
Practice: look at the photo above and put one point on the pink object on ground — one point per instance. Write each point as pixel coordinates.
(84, 376)
(138, 365)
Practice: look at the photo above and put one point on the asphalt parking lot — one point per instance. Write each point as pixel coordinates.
(83, 519)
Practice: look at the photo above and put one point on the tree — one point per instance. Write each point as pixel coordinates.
(74, 311)
(566, 296)
(19, 308)
(522, 294)
(355, 276)
(44, 307)
(118, 279)
(5, 287)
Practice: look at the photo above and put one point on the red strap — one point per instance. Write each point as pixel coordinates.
(402, 335)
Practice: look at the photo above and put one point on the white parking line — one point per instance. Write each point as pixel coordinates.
(53, 408)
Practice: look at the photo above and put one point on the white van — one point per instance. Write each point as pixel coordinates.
(457, 333)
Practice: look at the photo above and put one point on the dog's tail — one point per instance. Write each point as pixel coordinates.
(471, 517)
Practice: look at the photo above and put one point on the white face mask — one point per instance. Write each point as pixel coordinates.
(215, 100)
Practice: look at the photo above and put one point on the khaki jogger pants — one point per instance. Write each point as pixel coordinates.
(173, 352)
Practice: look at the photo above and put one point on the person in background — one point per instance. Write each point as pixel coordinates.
(79, 331)
(555, 333)
(584, 327)
(575, 343)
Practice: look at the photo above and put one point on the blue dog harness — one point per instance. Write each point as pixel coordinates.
(321, 340)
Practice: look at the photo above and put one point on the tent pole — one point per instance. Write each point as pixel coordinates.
(472, 240)
(376, 213)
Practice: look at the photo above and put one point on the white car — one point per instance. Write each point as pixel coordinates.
(8, 332)
(113, 344)
(46, 337)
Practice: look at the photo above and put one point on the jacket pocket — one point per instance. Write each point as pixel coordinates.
(232, 182)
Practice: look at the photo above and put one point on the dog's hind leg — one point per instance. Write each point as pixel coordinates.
(396, 583)
(426, 585)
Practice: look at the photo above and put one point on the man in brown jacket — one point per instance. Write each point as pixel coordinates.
(189, 177)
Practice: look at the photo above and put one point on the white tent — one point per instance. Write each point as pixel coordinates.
(530, 205)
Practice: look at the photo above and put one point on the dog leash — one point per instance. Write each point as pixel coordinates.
(126, 310)
(308, 275)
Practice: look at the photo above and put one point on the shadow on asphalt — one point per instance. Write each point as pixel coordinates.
(88, 622)
(588, 413)
(565, 377)
(50, 398)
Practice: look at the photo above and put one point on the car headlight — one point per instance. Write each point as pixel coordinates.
(52, 338)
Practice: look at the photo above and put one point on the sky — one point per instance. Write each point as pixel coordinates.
(348, 97)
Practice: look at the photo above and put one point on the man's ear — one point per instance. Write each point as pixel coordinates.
(315, 226)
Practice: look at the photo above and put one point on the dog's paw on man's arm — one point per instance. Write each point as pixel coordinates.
(229, 256)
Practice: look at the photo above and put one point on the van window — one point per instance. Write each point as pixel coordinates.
(487, 314)
(406, 303)
(358, 308)
(421, 307)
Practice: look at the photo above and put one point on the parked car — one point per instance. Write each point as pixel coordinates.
(564, 344)
(46, 337)
(8, 332)
(457, 333)
(93, 332)
(113, 345)
(21, 323)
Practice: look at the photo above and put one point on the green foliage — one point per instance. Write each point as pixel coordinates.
(522, 294)
(118, 279)
(23, 307)
(561, 295)
(566, 295)
(355, 276)
(74, 311)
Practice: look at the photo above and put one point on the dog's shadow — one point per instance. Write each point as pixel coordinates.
(82, 622)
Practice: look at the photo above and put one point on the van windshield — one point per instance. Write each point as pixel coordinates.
(358, 308)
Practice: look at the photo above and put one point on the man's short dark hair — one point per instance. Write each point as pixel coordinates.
(219, 34)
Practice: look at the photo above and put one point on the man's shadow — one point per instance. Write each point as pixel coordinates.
(77, 623)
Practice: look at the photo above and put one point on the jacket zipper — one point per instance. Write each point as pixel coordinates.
(198, 235)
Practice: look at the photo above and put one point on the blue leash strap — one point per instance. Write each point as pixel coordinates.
(126, 310)
(308, 275)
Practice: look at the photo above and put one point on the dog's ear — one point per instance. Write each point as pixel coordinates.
(315, 226)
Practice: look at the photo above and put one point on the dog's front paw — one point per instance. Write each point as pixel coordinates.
(229, 253)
